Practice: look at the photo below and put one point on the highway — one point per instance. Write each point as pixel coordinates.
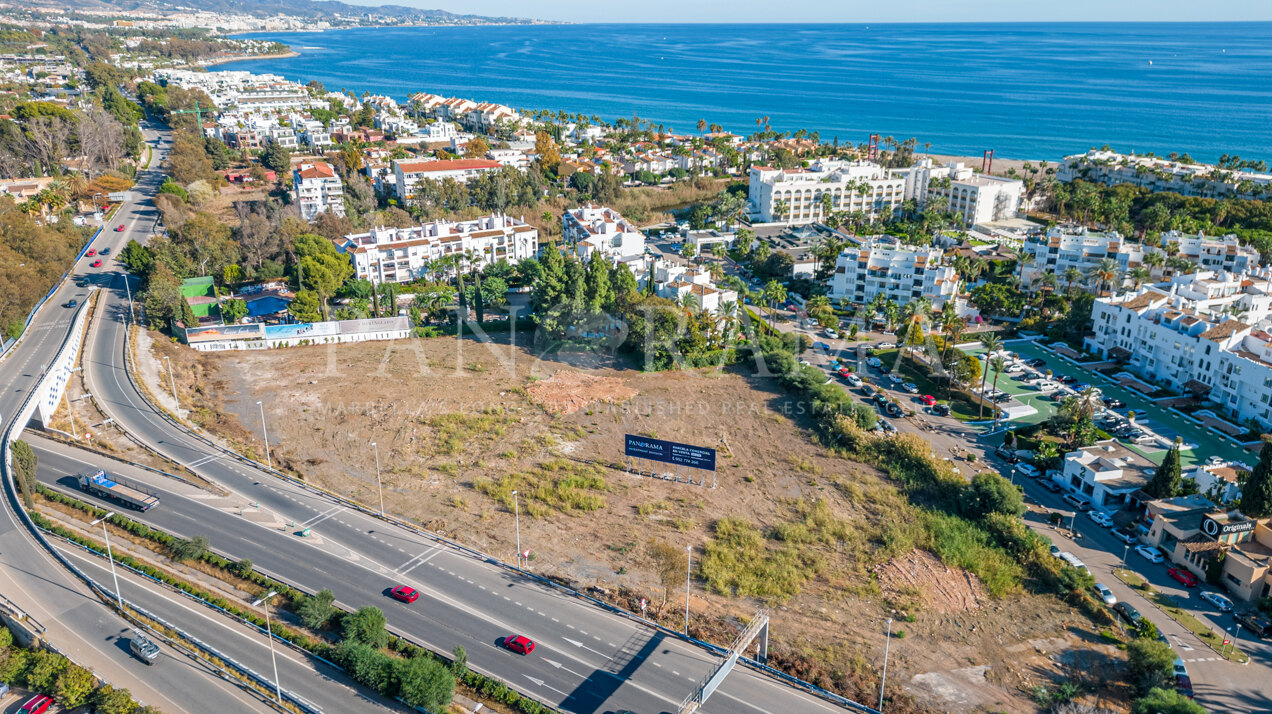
(77, 622)
(588, 660)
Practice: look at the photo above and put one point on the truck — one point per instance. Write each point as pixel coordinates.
(113, 488)
(142, 648)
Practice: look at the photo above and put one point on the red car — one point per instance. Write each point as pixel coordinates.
(36, 705)
(119, 228)
(844, 372)
(928, 399)
(1185, 577)
(91, 252)
(405, 593)
(519, 644)
(97, 264)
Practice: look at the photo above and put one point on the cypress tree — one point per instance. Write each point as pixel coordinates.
(1256, 492)
(1166, 481)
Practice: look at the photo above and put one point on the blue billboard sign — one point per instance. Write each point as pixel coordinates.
(670, 452)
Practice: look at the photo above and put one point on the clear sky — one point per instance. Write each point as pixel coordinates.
(856, 10)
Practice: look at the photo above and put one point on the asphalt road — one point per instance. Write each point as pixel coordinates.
(76, 620)
(588, 659)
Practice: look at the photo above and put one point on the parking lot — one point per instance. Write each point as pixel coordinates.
(1161, 421)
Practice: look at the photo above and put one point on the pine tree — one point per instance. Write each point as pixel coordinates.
(1166, 481)
(1256, 492)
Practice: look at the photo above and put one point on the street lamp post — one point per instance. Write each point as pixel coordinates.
(128, 289)
(378, 484)
(884, 679)
(269, 631)
(516, 519)
(111, 557)
(688, 570)
(1013, 475)
(269, 461)
(1235, 634)
(172, 380)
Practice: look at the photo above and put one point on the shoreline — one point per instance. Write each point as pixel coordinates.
(245, 58)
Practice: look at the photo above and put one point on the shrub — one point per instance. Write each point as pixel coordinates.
(366, 626)
(43, 668)
(243, 568)
(425, 682)
(1150, 663)
(13, 664)
(108, 700)
(73, 686)
(1165, 701)
(315, 612)
(191, 549)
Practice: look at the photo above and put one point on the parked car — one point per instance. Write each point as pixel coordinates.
(941, 410)
(1066, 379)
(1112, 403)
(1152, 555)
(928, 399)
(1219, 601)
(821, 346)
(874, 362)
(1029, 470)
(1105, 594)
(853, 380)
(1100, 517)
(1002, 398)
(1052, 485)
(892, 410)
(1125, 536)
(832, 334)
(887, 426)
(887, 345)
(1127, 612)
(894, 379)
(1036, 362)
(1078, 501)
(1185, 577)
(1183, 685)
(880, 398)
(1254, 623)
(910, 388)
(405, 593)
(36, 705)
(519, 644)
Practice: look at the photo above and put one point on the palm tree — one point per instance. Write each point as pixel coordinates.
(1104, 273)
(728, 317)
(999, 365)
(1071, 276)
(952, 327)
(992, 343)
(915, 311)
(689, 302)
(1024, 259)
(1139, 275)
(774, 293)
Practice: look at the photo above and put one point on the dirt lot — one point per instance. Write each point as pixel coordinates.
(460, 424)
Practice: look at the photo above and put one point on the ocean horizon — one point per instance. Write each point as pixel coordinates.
(1025, 90)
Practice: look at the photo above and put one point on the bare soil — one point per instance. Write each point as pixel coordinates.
(458, 424)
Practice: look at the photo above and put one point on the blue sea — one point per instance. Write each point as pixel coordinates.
(1033, 91)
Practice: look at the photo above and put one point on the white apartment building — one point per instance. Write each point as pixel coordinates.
(851, 186)
(409, 173)
(1220, 483)
(399, 255)
(1107, 473)
(978, 197)
(486, 117)
(1183, 334)
(1156, 174)
(284, 137)
(596, 229)
(1062, 248)
(675, 280)
(317, 189)
(897, 272)
(1212, 252)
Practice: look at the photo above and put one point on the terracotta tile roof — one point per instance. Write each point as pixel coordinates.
(318, 169)
(413, 167)
(1140, 302)
(1224, 329)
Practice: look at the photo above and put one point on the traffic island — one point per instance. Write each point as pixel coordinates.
(1172, 608)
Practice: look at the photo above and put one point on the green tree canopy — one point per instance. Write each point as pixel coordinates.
(1256, 491)
(1150, 663)
(1161, 700)
(1168, 477)
(367, 626)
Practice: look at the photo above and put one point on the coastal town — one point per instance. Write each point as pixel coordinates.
(666, 388)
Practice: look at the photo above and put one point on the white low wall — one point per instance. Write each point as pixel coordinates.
(52, 386)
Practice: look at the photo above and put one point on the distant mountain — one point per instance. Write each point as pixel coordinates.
(324, 9)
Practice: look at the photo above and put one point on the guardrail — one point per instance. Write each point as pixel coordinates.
(21, 417)
(472, 552)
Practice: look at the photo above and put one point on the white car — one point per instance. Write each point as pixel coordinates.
(853, 380)
(1125, 537)
(1105, 594)
(894, 380)
(1219, 601)
(1152, 555)
(886, 345)
(832, 334)
(1100, 517)
(1029, 470)
(910, 387)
